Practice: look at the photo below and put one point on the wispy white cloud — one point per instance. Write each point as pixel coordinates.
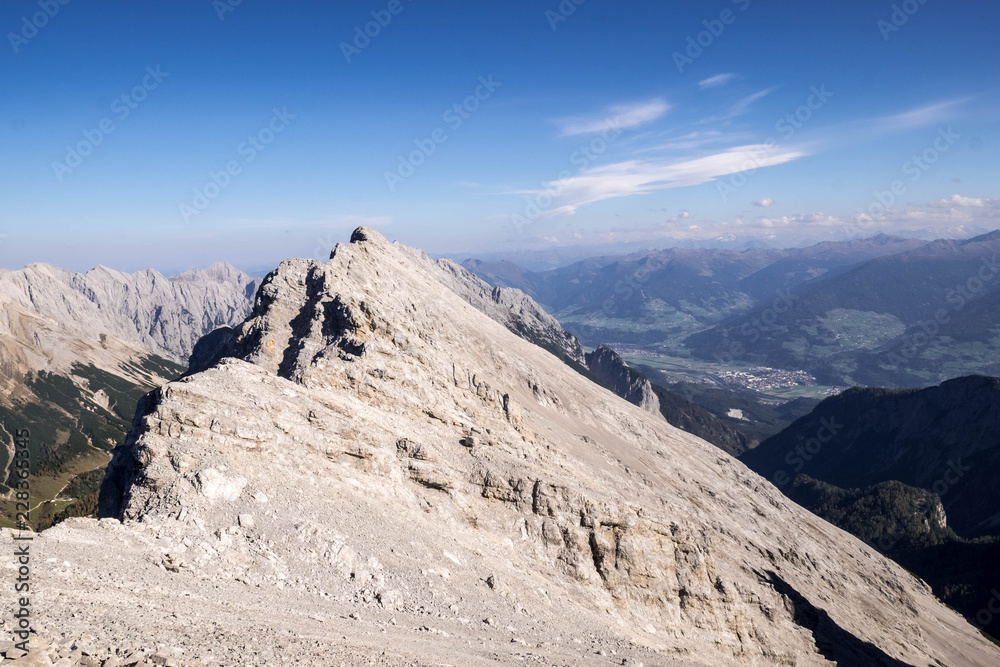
(965, 202)
(623, 116)
(741, 106)
(694, 140)
(920, 116)
(954, 217)
(764, 203)
(947, 217)
(715, 81)
(634, 177)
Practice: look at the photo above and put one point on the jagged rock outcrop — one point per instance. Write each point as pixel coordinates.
(510, 307)
(380, 457)
(624, 381)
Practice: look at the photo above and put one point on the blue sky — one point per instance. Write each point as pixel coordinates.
(254, 131)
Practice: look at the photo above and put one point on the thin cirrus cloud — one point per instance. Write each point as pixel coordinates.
(635, 177)
(716, 81)
(942, 214)
(741, 106)
(691, 141)
(622, 116)
(918, 117)
(764, 203)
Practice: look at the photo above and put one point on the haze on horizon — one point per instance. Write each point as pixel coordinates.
(173, 135)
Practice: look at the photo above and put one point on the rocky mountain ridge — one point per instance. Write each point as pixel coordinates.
(622, 380)
(378, 472)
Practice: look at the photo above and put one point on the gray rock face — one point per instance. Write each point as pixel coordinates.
(165, 316)
(630, 385)
(378, 451)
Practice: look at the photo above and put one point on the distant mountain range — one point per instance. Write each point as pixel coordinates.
(945, 439)
(649, 297)
(882, 311)
(912, 318)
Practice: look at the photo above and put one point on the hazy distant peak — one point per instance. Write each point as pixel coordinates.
(884, 239)
(219, 272)
(982, 238)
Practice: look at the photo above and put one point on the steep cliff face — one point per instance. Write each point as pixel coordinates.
(379, 443)
(624, 381)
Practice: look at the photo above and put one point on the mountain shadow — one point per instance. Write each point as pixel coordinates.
(832, 641)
